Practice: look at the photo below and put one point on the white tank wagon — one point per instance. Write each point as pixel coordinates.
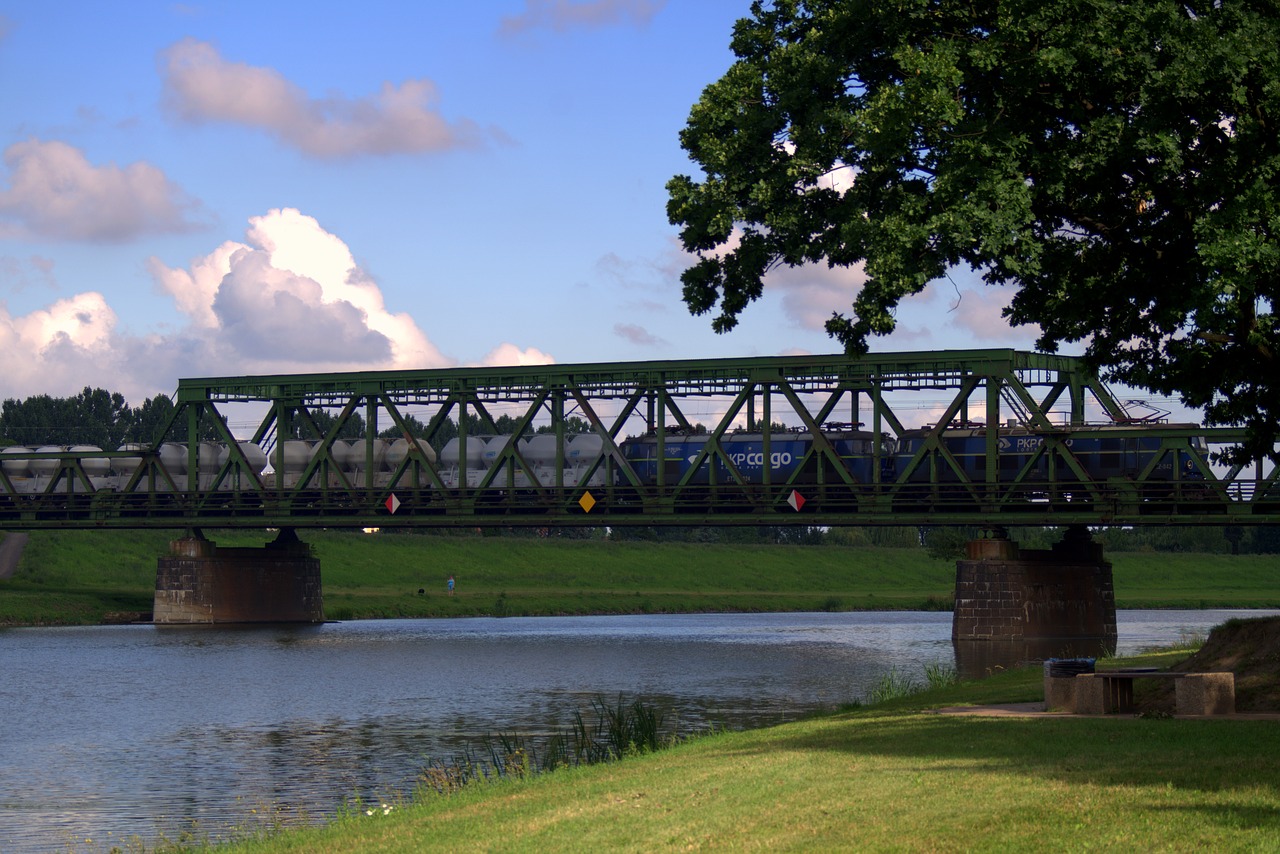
(451, 461)
(211, 459)
(31, 476)
(17, 472)
(401, 451)
(498, 452)
(124, 467)
(15, 467)
(540, 453)
(290, 459)
(350, 463)
(582, 450)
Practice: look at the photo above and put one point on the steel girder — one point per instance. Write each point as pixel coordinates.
(217, 482)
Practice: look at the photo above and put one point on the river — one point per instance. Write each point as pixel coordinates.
(123, 735)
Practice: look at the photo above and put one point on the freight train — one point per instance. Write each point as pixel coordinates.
(920, 465)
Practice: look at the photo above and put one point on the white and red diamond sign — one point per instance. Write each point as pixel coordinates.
(393, 504)
(796, 500)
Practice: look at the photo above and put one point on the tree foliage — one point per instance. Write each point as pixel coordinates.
(92, 417)
(352, 428)
(1115, 160)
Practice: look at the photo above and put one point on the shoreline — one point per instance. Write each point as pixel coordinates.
(141, 618)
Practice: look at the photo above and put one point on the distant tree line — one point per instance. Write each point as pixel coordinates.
(354, 427)
(99, 417)
(92, 417)
(505, 424)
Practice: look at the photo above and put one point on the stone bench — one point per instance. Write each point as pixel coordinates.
(1111, 691)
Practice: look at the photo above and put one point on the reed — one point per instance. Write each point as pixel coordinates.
(607, 732)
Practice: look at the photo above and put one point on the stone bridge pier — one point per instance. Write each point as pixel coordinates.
(200, 583)
(1015, 605)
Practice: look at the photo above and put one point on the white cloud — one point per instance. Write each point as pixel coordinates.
(563, 15)
(194, 290)
(66, 346)
(637, 335)
(510, 354)
(293, 298)
(980, 313)
(55, 192)
(808, 295)
(812, 293)
(200, 86)
(289, 299)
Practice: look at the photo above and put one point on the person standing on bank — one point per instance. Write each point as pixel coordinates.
(450, 585)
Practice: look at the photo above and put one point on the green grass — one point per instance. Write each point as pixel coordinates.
(526, 576)
(890, 777)
(84, 576)
(1174, 580)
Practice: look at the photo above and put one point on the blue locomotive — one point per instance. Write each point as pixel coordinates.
(787, 452)
(923, 464)
(1101, 453)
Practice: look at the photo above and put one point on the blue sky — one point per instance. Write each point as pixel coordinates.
(217, 189)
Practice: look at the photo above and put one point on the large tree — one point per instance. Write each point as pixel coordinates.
(1115, 160)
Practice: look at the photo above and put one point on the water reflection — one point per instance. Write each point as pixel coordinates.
(123, 731)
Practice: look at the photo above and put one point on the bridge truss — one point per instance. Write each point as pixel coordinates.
(978, 437)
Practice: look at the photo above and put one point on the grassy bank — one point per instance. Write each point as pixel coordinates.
(92, 576)
(891, 777)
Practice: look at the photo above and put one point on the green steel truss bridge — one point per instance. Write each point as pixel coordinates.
(978, 437)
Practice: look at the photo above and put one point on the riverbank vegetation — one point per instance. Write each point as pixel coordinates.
(894, 776)
(80, 577)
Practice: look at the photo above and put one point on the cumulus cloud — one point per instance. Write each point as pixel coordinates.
(289, 298)
(54, 192)
(65, 346)
(510, 354)
(562, 15)
(201, 86)
(292, 297)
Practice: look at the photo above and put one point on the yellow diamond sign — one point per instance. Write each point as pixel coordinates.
(586, 502)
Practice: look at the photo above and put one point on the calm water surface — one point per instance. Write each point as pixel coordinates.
(122, 734)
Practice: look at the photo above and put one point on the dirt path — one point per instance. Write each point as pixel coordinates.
(10, 550)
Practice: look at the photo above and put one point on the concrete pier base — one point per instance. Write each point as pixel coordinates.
(1015, 605)
(200, 583)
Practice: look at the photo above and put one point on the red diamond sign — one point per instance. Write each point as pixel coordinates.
(796, 500)
(393, 504)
